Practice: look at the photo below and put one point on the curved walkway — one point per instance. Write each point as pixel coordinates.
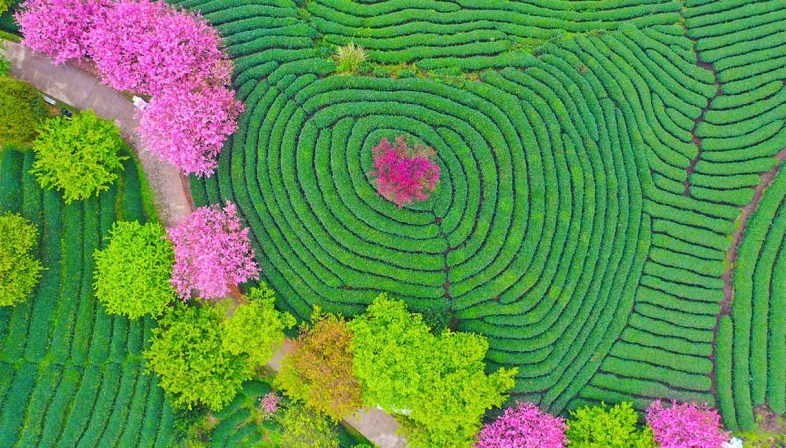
(170, 190)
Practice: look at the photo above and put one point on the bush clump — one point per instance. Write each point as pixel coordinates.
(22, 112)
(80, 157)
(132, 273)
(19, 270)
(604, 427)
(306, 428)
(349, 58)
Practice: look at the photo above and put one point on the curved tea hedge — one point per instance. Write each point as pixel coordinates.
(595, 157)
(70, 375)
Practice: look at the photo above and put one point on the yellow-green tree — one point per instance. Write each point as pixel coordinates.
(319, 369)
(19, 270)
(437, 382)
(80, 157)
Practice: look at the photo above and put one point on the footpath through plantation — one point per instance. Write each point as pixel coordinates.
(503, 223)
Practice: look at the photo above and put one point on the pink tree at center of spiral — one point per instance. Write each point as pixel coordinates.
(404, 173)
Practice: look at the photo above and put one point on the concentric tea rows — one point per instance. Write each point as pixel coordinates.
(597, 160)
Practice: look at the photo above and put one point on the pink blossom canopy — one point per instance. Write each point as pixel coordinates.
(523, 426)
(401, 178)
(59, 28)
(686, 425)
(188, 129)
(212, 252)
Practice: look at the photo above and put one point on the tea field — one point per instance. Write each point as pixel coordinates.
(71, 375)
(611, 209)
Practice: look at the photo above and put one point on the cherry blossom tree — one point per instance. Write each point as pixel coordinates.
(686, 425)
(189, 129)
(152, 48)
(59, 28)
(212, 252)
(404, 174)
(523, 425)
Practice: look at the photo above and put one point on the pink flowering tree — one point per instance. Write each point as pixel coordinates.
(212, 252)
(404, 173)
(189, 129)
(268, 404)
(523, 425)
(686, 425)
(151, 48)
(59, 28)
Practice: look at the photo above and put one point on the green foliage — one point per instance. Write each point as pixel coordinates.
(22, 111)
(187, 353)
(5, 66)
(603, 427)
(80, 157)
(132, 273)
(305, 428)
(19, 271)
(438, 381)
(4, 5)
(349, 58)
(319, 368)
(256, 329)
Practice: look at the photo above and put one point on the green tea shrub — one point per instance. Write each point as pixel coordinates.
(23, 109)
(19, 271)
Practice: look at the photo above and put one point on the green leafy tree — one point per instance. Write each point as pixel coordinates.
(187, 353)
(319, 369)
(19, 271)
(22, 111)
(80, 157)
(4, 5)
(256, 329)
(132, 274)
(604, 427)
(306, 428)
(438, 382)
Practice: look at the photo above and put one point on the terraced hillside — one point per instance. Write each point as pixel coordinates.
(70, 375)
(602, 215)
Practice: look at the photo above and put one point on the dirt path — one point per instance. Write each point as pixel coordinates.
(172, 196)
(750, 207)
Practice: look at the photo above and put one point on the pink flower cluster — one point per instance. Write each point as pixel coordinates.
(269, 404)
(212, 252)
(60, 28)
(403, 177)
(189, 128)
(686, 425)
(523, 425)
(153, 49)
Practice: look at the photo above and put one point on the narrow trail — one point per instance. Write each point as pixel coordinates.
(700, 119)
(731, 255)
(739, 233)
(170, 188)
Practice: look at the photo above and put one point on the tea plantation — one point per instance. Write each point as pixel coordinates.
(611, 207)
(70, 374)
